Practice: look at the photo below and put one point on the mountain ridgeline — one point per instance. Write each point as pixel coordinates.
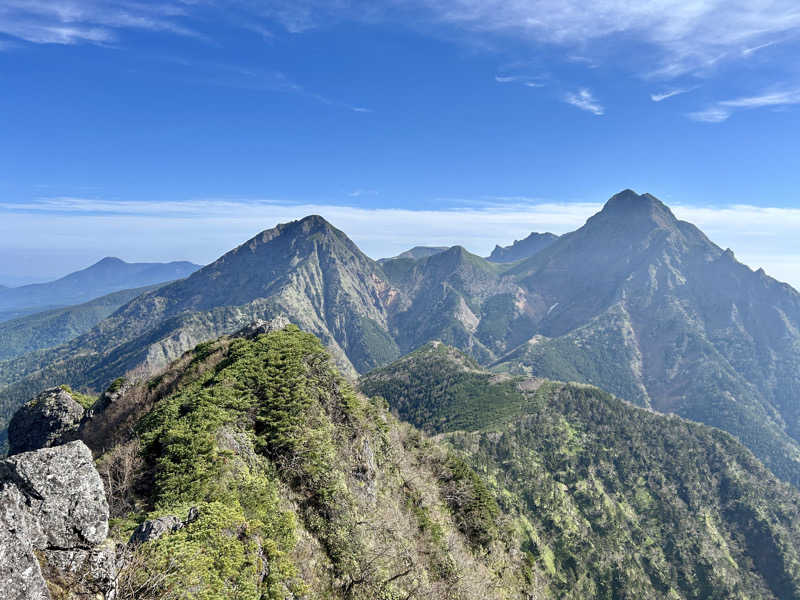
(636, 302)
(522, 249)
(295, 486)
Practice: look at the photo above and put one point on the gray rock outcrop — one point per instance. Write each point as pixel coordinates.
(52, 504)
(260, 327)
(152, 529)
(50, 419)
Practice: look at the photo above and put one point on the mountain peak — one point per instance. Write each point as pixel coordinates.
(308, 226)
(634, 208)
(109, 261)
(314, 221)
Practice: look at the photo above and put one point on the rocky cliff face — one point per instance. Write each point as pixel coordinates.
(53, 525)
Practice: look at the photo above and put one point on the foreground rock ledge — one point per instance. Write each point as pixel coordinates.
(52, 504)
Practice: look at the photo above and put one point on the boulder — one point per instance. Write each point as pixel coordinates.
(152, 529)
(64, 491)
(50, 419)
(53, 516)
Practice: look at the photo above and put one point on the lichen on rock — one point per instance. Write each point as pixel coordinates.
(53, 514)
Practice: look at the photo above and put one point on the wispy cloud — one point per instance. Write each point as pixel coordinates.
(202, 229)
(724, 109)
(526, 80)
(668, 94)
(88, 21)
(754, 49)
(585, 100)
(684, 37)
(362, 192)
(214, 73)
(769, 99)
(710, 115)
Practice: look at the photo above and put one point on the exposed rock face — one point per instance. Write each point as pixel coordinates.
(20, 574)
(153, 529)
(260, 327)
(52, 501)
(49, 419)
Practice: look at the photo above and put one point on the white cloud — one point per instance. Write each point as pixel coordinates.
(362, 192)
(685, 36)
(585, 100)
(771, 99)
(84, 230)
(710, 115)
(668, 94)
(723, 109)
(526, 80)
(754, 49)
(87, 21)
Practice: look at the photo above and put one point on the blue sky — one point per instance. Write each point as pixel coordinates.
(158, 131)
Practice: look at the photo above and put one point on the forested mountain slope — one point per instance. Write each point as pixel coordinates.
(615, 501)
(55, 327)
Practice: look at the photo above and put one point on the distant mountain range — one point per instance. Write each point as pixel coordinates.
(635, 302)
(104, 277)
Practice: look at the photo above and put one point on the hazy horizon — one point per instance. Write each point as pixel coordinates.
(202, 231)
